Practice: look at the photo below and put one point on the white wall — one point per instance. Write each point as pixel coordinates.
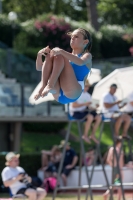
(98, 176)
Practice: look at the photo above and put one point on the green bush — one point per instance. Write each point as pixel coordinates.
(32, 35)
(31, 163)
(50, 30)
(112, 43)
(45, 30)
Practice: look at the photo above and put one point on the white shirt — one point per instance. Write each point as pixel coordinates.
(129, 107)
(109, 98)
(10, 173)
(84, 98)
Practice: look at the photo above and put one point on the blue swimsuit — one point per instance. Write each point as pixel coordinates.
(80, 75)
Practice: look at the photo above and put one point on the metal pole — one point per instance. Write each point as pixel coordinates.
(22, 99)
(98, 153)
(48, 108)
(130, 149)
(80, 167)
(62, 159)
(109, 188)
(117, 159)
(83, 153)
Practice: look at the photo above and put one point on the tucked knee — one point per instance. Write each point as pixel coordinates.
(48, 60)
(58, 58)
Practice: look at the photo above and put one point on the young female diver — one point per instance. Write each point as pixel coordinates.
(64, 73)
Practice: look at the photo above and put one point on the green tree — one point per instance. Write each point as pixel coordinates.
(116, 12)
(109, 11)
(92, 13)
(27, 9)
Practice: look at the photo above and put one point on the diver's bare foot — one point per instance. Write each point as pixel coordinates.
(47, 90)
(38, 95)
(86, 139)
(92, 137)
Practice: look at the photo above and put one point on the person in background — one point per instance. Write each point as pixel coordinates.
(50, 165)
(111, 109)
(81, 109)
(90, 156)
(129, 164)
(14, 177)
(112, 160)
(70, 161)
(104, 158)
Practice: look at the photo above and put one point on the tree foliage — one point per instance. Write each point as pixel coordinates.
(112, 43)
(49, 30)
(109, 11)
(116, 12)
(27, 9)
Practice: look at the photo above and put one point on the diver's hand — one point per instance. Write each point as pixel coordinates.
(44, 51)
